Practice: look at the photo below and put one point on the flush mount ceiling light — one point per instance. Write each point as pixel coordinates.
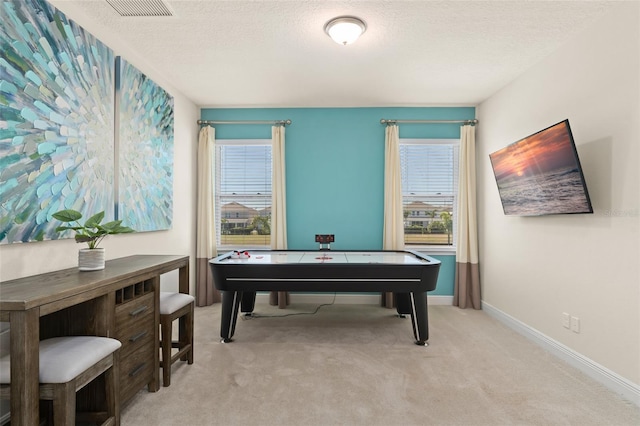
(345, 29)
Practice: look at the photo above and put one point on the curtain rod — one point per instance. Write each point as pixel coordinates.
(393, 121)
(276, 122)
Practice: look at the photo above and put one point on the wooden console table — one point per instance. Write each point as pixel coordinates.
(121, 301)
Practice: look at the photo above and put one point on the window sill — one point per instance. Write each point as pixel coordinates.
(224, 249)
(433, 250)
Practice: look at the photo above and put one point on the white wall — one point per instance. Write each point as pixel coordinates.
(18, 260)
(536, 268)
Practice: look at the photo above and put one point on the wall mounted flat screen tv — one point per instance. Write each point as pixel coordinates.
(541, 174)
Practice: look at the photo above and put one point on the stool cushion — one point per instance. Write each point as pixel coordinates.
(64, 358)
(171, 302)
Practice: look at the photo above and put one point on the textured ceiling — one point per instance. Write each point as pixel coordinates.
(257, 53)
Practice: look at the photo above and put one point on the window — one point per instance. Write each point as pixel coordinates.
(243, 193)
(429, 170)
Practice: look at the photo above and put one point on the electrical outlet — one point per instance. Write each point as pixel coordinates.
(575, 324)
(566, 320)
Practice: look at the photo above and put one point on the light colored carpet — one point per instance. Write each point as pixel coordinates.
(358, 365)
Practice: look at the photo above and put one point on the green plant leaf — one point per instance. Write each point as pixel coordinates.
(114, 227)
(123, 230)
(67, 215)
(109, 226)
(64, 228)
(95, 234)
(94, 220)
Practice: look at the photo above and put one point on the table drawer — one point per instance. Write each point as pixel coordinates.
(134, 310)
(136, 370)
(136, 328)
(135, 334)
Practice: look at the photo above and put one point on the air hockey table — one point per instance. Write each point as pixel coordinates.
(408, 274)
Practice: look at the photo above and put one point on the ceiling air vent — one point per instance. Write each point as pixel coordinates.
(140, 7)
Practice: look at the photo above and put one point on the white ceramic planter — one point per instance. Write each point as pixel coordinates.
(91, 259)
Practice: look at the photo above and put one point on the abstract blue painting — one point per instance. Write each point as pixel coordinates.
(56, 121)
(145, 150)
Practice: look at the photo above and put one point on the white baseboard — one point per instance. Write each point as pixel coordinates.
(347, 299)
(601, 374)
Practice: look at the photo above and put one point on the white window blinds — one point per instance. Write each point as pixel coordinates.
(429, 190)
(243, 193)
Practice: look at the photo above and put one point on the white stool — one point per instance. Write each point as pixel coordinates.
(67, 364)
(175, 306)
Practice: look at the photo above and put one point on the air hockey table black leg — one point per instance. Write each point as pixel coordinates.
(419, 319)
(403, 304)
(229, 314)
(248, 302)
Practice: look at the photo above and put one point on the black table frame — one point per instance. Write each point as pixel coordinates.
(238, 282)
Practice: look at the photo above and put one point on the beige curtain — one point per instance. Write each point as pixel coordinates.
(278, 191)
(467, 278)
(206, 294)
(278, 205)
(393, 231)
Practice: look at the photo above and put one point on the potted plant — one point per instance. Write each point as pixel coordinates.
(92, 233)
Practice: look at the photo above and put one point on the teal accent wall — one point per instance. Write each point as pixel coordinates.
(446, 275)
(335, 168)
